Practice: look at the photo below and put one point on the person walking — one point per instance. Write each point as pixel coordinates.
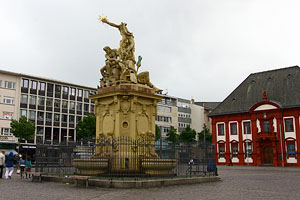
(22, 164)
(9, 165)
(28, 167)
(2, 162)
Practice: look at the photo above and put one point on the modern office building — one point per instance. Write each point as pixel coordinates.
(167, 114)
(184, 114)
(258, 123)
(180, 113)
(54, 106)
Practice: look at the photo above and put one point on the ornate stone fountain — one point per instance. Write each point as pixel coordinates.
(125, 109)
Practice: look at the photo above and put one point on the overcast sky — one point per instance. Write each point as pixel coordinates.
(201, 49)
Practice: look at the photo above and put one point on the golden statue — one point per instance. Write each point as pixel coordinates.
(125, 109)
(120, 63)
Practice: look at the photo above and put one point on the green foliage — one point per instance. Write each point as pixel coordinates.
(23, 128)
(187, 135)
(208, 136)
(172, 135)
(157, 133)
(86, 127)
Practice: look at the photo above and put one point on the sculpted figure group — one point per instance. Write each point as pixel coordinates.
(120, 63)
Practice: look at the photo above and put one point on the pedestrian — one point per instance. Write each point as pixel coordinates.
(28, 167)
(9, 165)
(2, 162)
(22, 164)
(230, 161)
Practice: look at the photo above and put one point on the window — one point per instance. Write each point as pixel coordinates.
(86, 107)
(8, 100)
(40, 116)
(40, 130)
(92, 108)
(33, 85)
(233, 128)
(78, 118)
(247, 128)
(73, 91)
(49, 117)
(57, 89)
(72, 105)
(49, 87)
(0, 83)
(32, 100)
(5, 131)
(163, 118)
(31, 115)
(79, 94)
(7, 115)
(220, 129)
(222, 150)
(234, 150)
(65, 104)
(65, 91)
(289, 125)
(86, 94)
(56, 103)
(56, 117)
(9, 85)
(23, 113)
(71, 119)
(166, 129)
(248, 150)
(291, 148)
(267, 126)
(25, 83)
(79, 106)
(49, 102)
(24, 99)
(41, 101)
(42, 86)
(64, 118)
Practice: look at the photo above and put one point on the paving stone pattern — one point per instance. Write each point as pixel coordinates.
(237, 183)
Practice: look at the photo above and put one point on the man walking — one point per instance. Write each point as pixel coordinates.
(2, 162)
(9, 165)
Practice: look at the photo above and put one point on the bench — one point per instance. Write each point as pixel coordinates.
(36, 174)
(81, 178)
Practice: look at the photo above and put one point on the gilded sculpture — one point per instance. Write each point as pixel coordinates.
(120, 64)
(125, 109)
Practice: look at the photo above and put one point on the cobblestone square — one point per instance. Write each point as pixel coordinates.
(237, 183)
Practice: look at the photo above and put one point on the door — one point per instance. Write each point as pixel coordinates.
(268, 155)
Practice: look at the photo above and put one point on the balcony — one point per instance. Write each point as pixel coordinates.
(267, 135)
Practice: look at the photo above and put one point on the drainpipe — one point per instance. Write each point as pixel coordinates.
(282, 161)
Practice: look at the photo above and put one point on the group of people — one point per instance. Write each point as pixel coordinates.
(9, 161)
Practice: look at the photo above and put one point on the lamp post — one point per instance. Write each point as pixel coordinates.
(204, 136)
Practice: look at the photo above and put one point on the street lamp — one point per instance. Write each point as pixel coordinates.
(204, 136)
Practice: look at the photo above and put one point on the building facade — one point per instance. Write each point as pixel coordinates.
(180, 113)
(55, 107)
(258, 123)
(167, 114)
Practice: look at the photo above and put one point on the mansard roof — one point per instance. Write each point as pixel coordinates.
(282, 87)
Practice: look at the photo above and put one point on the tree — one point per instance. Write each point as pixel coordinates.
(208, 136)
(157, 133)
(86, 127)
(23, 128)
(172, 135)
(187, 135)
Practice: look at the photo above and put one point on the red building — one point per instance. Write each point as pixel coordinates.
(258, 123)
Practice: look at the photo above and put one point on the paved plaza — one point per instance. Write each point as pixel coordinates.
(237, 183)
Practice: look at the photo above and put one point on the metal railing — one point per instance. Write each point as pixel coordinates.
(127, 157)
